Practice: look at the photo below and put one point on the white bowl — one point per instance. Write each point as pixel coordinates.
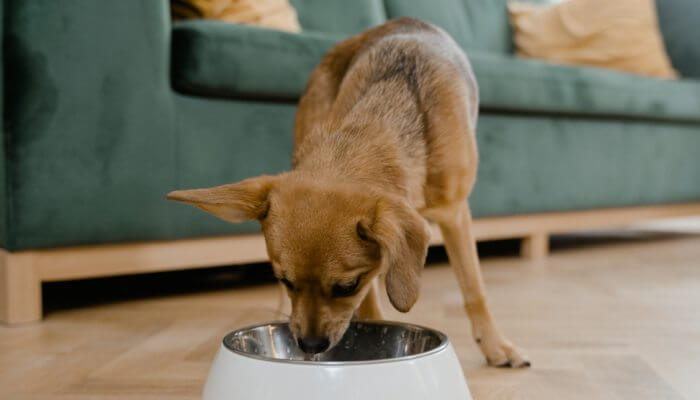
(374, 360)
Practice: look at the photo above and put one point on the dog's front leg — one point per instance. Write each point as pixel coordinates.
(370, 309)
(461, 249)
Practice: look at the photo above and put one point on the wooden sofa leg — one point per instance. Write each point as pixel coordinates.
(20, 289)
(535, 246)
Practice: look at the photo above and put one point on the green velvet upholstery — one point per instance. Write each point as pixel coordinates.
(94, 134)
(213, 59)
(224, 60)
(88, 121)
(339, 16)
(4, 198)
(220, 141)
(540, 164)
(525, 85)
(474, 24)
(678, 21)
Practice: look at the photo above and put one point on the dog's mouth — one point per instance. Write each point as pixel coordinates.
(312, 349)
(338, 336)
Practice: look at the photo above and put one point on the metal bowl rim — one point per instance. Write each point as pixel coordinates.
(444, 343)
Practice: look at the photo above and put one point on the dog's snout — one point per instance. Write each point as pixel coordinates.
(313, 345)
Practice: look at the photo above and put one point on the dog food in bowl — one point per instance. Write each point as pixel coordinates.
(374, 360)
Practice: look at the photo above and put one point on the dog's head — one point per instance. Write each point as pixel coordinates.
(326, 244)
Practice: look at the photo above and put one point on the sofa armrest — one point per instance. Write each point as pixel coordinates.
(88, 108)
(3, 168)
(217, 59)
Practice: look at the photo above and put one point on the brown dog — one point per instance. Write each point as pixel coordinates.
(384, 137)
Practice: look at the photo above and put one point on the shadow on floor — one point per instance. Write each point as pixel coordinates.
(613, 238)
(90, 292)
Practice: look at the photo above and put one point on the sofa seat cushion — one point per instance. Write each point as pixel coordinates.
(514, 84)
(216, 59)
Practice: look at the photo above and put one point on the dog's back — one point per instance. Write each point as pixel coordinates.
(400, 97)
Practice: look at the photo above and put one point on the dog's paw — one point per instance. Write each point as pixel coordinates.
(501, 353)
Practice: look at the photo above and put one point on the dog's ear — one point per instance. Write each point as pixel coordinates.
(234, 202)
(403, 236)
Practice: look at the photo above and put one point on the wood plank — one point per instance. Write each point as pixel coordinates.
(627, 377)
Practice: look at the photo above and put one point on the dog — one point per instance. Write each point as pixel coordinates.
(384, 139)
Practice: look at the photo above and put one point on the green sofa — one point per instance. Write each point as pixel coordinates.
(107, 106)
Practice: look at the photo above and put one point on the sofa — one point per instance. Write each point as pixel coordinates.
(107, 106)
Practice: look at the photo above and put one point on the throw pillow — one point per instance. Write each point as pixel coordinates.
(620, 34)
(275, 14)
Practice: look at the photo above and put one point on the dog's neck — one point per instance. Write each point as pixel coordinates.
(370, 143)
(353, 154)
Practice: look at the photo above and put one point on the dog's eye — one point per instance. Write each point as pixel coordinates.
(264, 212)
(287, 283)
(340, 290)
(362, 232)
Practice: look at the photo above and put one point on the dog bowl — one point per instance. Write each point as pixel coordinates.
(374, 360)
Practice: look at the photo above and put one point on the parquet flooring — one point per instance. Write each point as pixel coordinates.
(616, 320)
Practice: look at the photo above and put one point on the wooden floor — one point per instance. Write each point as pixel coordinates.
(604, 320)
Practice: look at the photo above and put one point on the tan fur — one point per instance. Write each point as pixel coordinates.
(384, 136)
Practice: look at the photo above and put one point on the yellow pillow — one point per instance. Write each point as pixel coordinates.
(275, 14)
(618, 34)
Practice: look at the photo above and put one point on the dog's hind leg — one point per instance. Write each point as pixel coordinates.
(455, 224)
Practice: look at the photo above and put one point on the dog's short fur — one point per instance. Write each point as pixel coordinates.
(384, 137)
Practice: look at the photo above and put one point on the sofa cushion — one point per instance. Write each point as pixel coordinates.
(222, 60)
(479, 25)
(622, 35)
(522, 85)
(339, 16)
(678, 20)
(474, 24)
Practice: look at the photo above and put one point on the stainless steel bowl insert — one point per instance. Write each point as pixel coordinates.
(363, 342)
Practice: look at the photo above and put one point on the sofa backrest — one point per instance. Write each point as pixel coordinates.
(339, 16)
(474, 24)
(678, 20)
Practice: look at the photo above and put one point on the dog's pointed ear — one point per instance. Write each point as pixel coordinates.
(234, 202)
(403, 237)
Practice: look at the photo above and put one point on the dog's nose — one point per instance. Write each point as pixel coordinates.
(313, 345)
